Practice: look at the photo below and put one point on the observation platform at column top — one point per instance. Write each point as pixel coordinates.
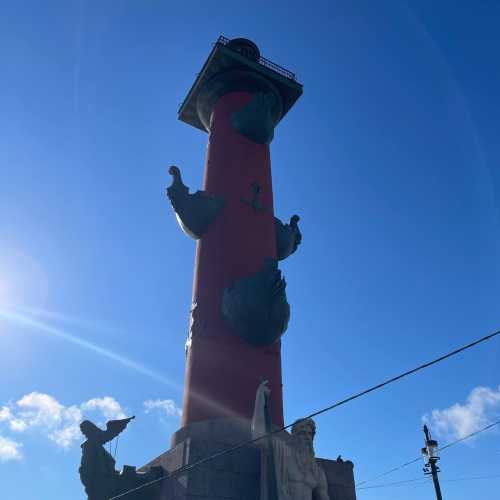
(237, 65)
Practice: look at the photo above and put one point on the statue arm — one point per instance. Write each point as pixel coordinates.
(114, 428)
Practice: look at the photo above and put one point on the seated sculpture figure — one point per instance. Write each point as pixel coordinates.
(289, 469)
(97, 469)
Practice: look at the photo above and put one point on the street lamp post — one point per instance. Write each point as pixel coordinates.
(430, 454)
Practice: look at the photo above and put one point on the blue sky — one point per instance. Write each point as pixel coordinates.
(390, 158)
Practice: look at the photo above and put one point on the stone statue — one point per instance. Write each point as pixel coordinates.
(97, 469)
(295, 473)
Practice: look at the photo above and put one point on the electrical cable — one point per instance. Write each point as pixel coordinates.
(470, 478)
(424, 480)
(472, 434)
(189, 467)
(386, 473)
(396, 483)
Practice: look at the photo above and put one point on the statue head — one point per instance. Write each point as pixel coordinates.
(90, 430)
(303, 432)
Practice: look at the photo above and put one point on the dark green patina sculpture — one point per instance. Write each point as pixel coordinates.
(97, 469)
(256, 306)
(194, 212)
(288, 237)
(254, 120)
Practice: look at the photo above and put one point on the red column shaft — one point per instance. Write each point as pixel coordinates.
(223, 371)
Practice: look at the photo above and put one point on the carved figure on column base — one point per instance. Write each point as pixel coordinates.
(296, 473)
(97, 469)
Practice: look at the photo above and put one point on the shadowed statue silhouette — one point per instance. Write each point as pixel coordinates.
(97, 469)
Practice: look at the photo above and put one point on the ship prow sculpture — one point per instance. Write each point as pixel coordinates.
(239, 313)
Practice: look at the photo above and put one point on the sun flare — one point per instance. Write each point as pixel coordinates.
(23, 280)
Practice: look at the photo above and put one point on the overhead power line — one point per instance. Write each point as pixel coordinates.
(396, 483)
(390, 471)
(472, 434)
(186, 468)
(424, 480)
(418, 459)
(473, 478)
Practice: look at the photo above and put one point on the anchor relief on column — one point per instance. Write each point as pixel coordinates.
(288, 236)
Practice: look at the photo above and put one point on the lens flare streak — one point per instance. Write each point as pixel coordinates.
(24, 320)
(37, 325)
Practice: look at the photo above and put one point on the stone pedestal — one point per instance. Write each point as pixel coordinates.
(340, 477)
(236, 475)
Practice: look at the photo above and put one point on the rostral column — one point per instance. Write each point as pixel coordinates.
(239, 307)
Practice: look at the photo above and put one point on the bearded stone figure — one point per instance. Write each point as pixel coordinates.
(289, 470)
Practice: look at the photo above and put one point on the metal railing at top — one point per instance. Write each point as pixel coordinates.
(222, 40)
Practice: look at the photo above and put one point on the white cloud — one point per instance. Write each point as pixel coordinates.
(14, 423)
(38, 409)
(61, 424)
(17, 424)
(9, 450)
(480, 409)
(5, 414)
(44, 412)
(167, 406)
(65, 434)
(109, 407)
